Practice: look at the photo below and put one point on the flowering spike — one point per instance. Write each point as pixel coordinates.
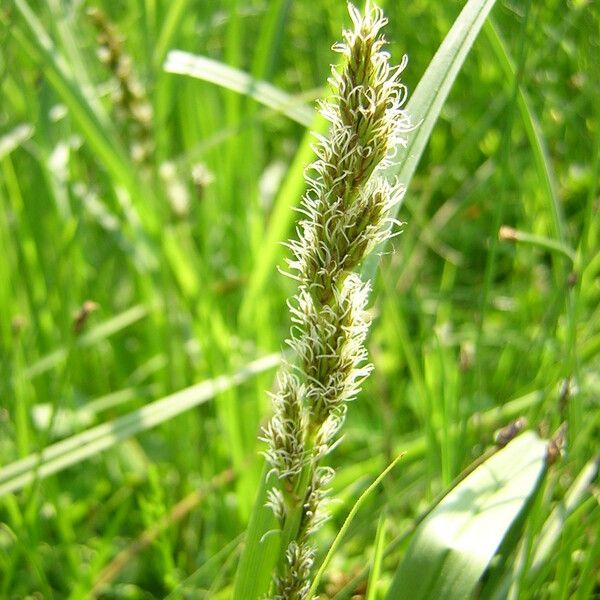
(344, 215)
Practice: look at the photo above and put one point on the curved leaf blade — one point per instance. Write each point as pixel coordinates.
(207, 69)
(455, 544)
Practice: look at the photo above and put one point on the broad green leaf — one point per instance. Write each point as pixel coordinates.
(82, 446)
(454, 545)
(206, 69)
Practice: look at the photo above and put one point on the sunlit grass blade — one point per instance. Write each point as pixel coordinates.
(453, 546)
(206, 69)
(79, 447)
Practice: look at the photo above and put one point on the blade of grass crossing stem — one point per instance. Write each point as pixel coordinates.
(426, 102)
(378, 552)
(83, 445)
(424, 106)
(455, 544)
(340, 535)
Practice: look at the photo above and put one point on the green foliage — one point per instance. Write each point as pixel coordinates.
(179, 253)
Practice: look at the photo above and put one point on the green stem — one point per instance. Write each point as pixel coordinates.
(295, 501)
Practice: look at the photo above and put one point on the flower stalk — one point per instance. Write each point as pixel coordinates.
(345, 212)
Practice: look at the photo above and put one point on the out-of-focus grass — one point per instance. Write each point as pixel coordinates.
(465, 322)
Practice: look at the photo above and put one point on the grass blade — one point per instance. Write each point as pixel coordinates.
(261, 548)
(94, 125)
(340, 535)
(534, 132)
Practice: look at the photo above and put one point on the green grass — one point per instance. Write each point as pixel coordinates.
(471, 331)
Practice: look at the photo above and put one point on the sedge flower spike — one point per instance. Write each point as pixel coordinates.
(345, 212)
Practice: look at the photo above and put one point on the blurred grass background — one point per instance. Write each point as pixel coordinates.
(151, 195)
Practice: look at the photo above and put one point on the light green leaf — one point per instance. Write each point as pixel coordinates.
(454, 545)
